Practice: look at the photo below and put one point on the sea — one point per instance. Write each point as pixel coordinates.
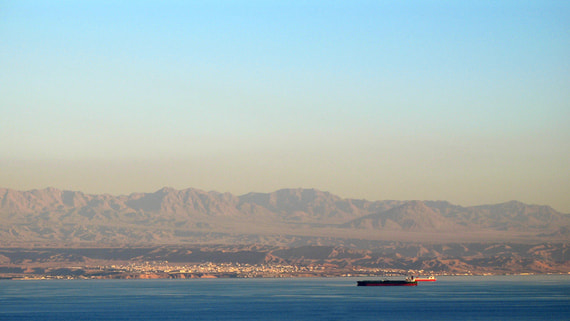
(545, 297)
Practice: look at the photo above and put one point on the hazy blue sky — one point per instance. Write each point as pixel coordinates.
(466, 101)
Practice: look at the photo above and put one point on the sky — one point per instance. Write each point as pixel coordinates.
(464, 101)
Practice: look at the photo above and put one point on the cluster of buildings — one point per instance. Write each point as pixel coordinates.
(166, 270)
(214, 270)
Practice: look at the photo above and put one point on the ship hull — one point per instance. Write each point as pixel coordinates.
(386, 283)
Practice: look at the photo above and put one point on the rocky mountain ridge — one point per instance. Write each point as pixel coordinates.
(170, 216)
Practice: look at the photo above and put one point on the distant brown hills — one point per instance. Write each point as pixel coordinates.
(285, 217)
(452, 258)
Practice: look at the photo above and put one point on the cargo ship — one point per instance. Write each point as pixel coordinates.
(428, 279)
(410, 281)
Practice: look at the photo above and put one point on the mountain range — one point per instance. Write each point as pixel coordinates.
(285, 217)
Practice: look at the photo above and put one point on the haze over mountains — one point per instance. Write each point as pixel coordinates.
(285, 217)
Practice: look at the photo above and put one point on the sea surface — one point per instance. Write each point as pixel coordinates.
(450, 298)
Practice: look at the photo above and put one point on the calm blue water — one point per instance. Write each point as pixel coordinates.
(450, 298)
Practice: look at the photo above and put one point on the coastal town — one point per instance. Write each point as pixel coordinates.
(166, 270)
